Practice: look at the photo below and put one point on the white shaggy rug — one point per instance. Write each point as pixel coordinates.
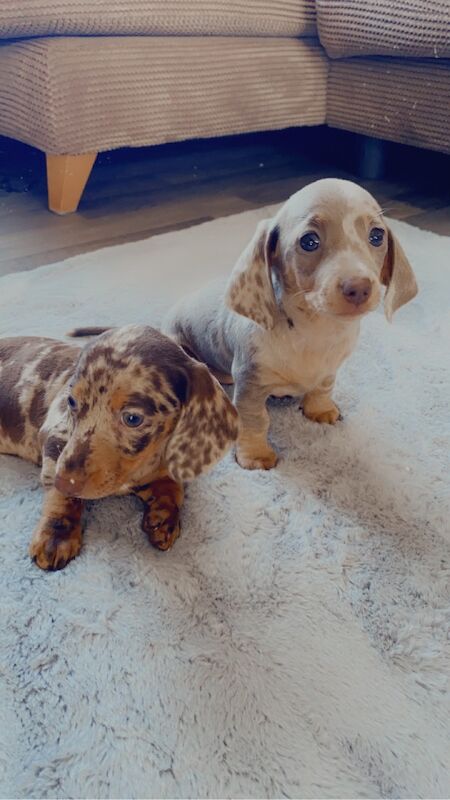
(295, 641)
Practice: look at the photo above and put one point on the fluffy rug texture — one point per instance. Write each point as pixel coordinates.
(294, 643)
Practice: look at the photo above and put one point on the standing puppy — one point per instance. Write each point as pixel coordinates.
(128, 413)
(290, 314)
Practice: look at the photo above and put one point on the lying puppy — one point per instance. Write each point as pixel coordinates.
(290, 314)
(128, 413)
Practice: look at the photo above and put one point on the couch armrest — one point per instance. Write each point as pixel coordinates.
(417, 28)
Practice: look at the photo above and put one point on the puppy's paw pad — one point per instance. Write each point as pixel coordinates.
(328, 417)
(162, 526)
(51, 552)
(265, 461)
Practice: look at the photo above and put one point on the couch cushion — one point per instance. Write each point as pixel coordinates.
(19, 18)
(79, 94)
(385, 27)
(406, 101)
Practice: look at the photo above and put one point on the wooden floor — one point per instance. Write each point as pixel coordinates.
(133, 194)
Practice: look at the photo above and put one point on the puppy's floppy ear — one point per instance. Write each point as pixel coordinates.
(250, 291)
(398, 276)
(206, 429)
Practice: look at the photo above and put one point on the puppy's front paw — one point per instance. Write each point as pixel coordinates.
(266, 460)
(161, 523)
(55, 543)
(327, 416)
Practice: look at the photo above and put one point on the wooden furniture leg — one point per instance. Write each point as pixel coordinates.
(67, 176)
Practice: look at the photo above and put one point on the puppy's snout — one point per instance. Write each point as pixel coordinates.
(356, 290)
(69, 485)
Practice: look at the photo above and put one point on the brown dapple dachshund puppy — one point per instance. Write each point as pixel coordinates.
(129, 413)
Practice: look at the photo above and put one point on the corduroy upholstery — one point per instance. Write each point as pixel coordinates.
(71, 95)
(80, 76)
(411, 28)
(20, 18)
(404, 100)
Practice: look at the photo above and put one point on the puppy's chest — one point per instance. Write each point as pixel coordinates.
(300, 360)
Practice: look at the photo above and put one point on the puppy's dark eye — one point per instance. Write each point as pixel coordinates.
(376, 236)
(72, 403)
(309, 242)
(131, 419)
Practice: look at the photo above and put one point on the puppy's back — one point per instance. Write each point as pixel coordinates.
(32, 371)
(203, 325)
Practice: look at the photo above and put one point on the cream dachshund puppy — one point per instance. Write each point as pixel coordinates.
(290, 313)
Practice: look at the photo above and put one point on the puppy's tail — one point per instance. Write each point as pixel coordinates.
(77, 333)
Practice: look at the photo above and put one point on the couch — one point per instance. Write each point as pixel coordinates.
(82, 76)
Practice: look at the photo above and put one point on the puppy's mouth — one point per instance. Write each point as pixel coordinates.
(95, 495)
(355, 311)
(82, 490)
(350, 313)
(340, 309)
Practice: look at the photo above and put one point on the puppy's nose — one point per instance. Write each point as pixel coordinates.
(71, 486)
(356, 290)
